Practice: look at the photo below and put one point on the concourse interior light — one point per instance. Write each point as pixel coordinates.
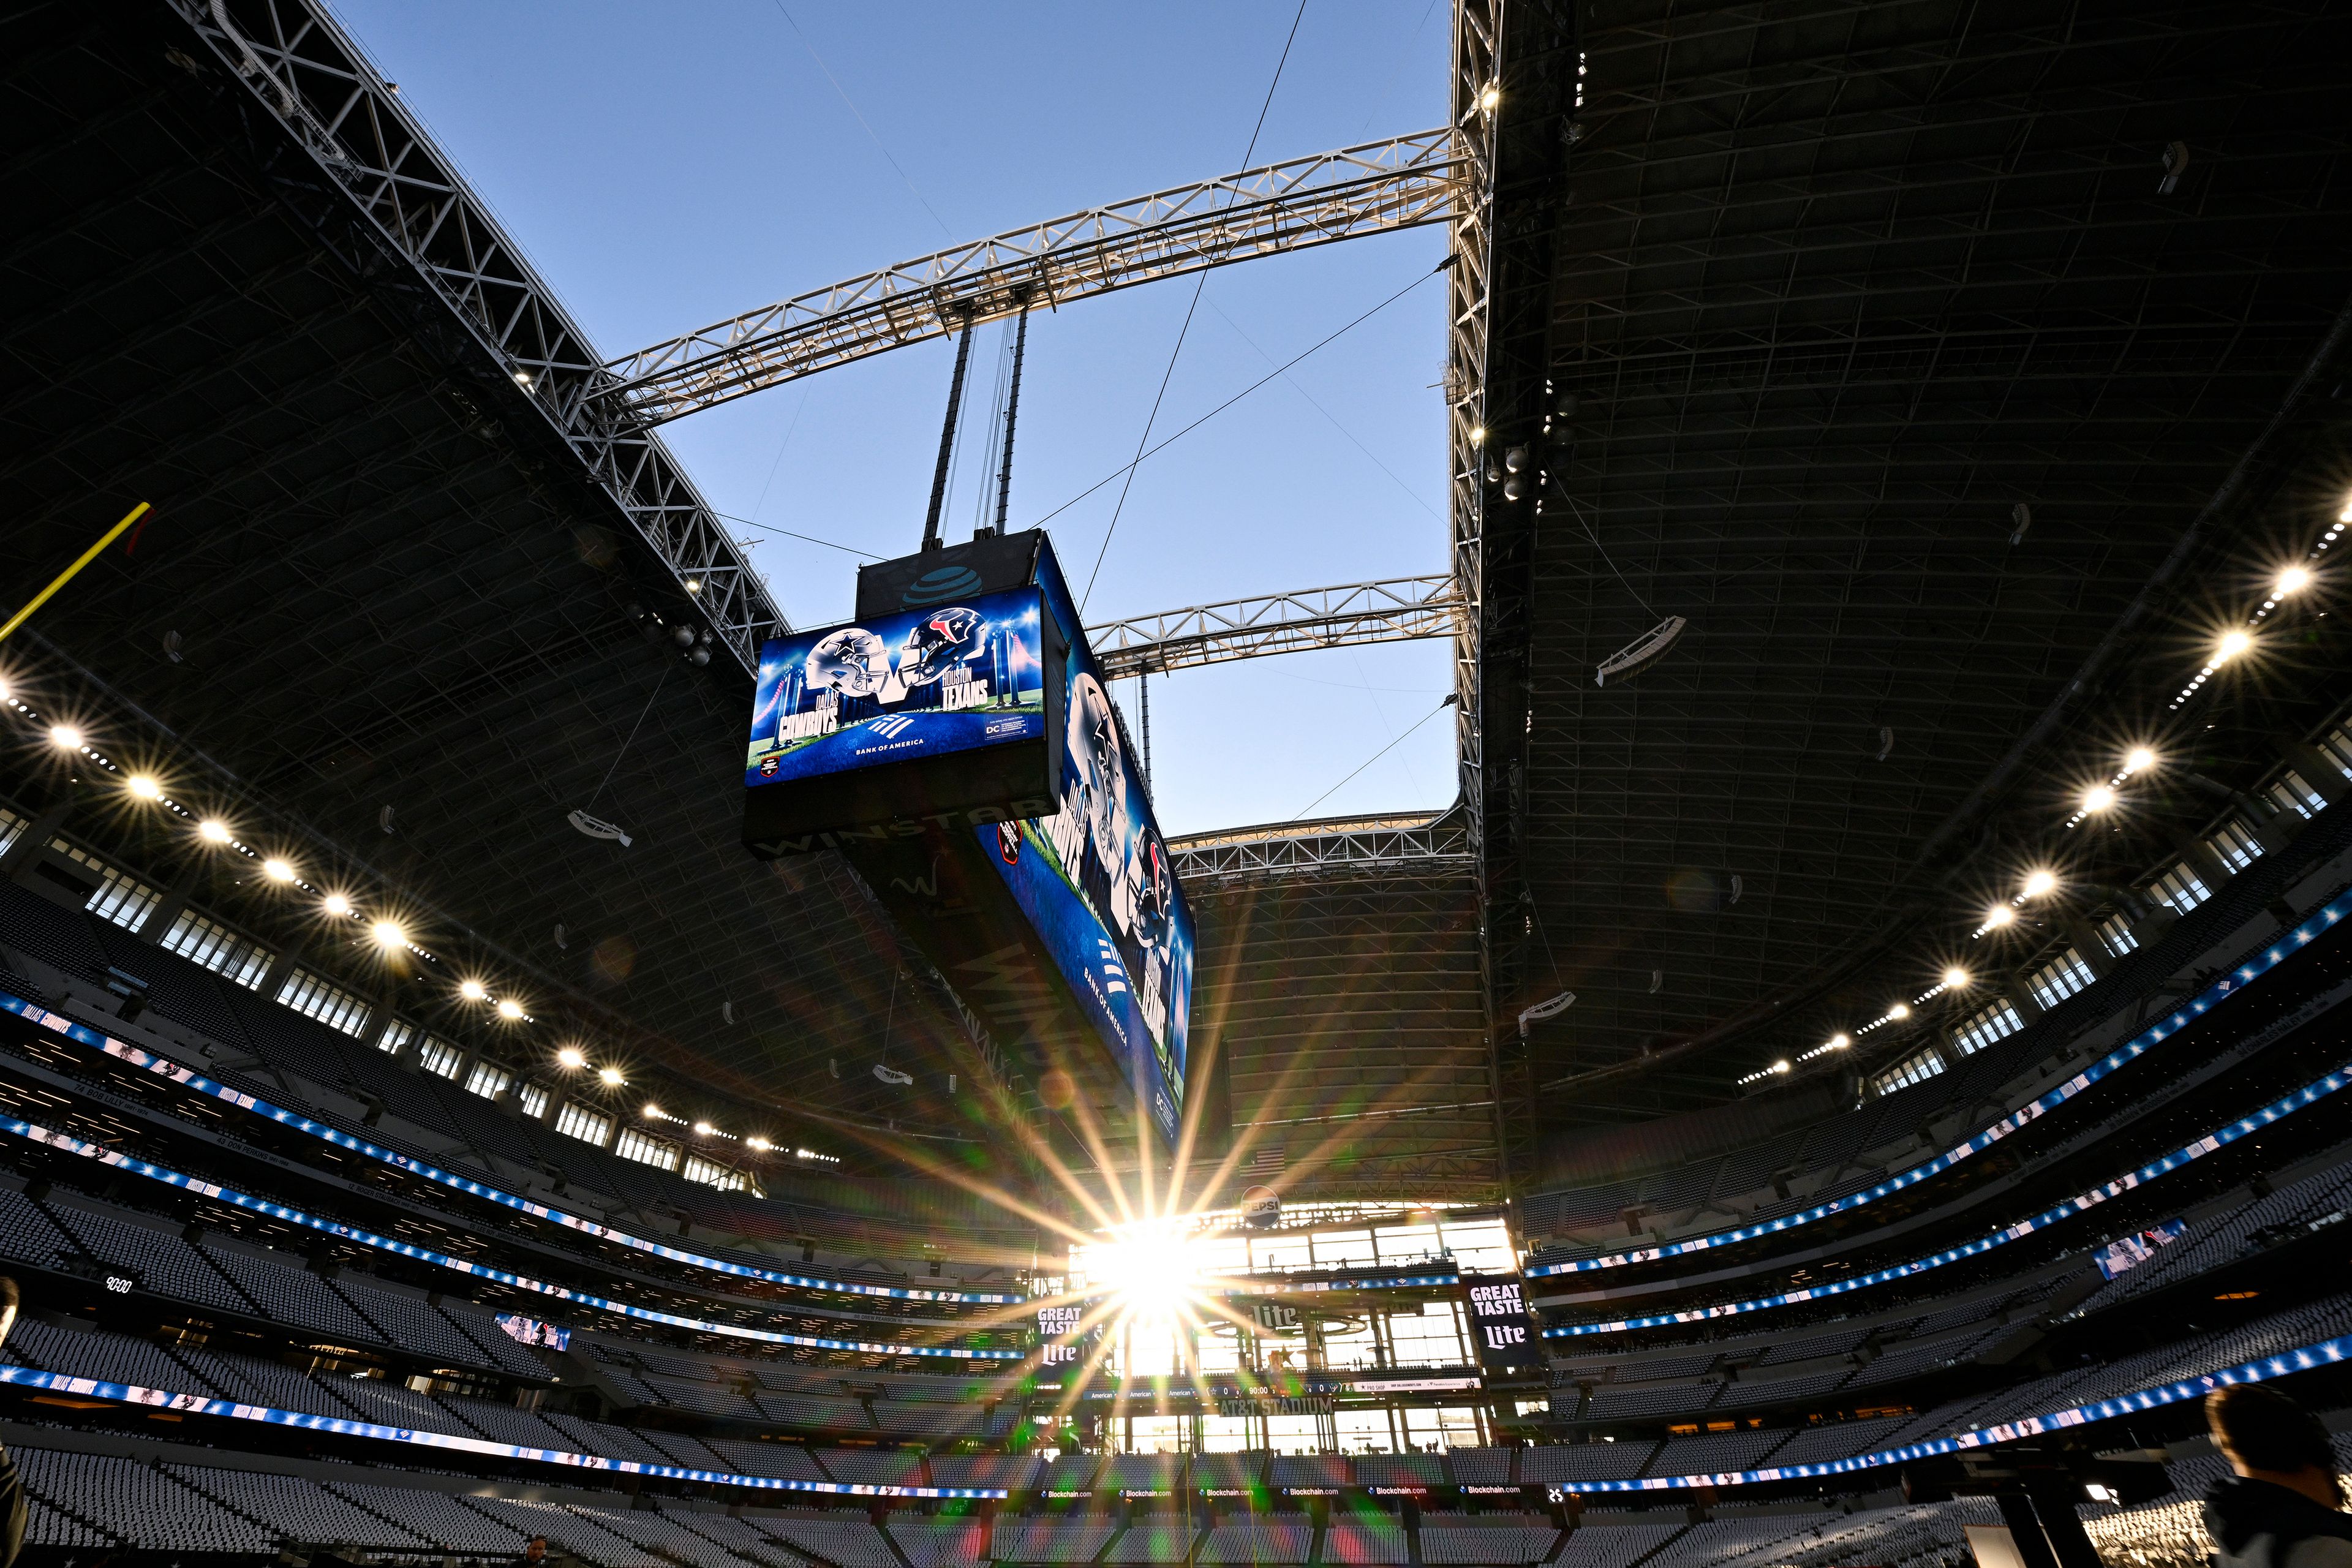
(145, 788)
(214, 830)
(509, 1009)
(65, 735)
(571, 1057)
(612, 1076)
(472, 990)
(2098, 797)
(277, 870)
(2039, 883)
(336, 905)
(388, 933)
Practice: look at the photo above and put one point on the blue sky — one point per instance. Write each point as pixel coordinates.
(668, 166)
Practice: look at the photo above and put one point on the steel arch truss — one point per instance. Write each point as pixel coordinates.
(1397, 184)
(1325, 849)
(315, 81)
(1399, 610)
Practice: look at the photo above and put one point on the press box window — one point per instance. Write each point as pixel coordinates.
(2181, 888)
(1985, 1025)
(2235, 845)
(576, 1120)
(237, 959)
(315, 996)
(1912, 1069)
(121, 899)
(2063, 976)
(698, 1169)
(632, 1145)
(438, 1056)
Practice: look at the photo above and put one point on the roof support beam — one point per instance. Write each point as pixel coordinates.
(1401, 182)
(1401, 609)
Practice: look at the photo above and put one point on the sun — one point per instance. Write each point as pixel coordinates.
(1148, 1271)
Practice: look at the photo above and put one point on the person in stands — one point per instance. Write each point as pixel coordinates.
(2283, 1509)
(12, 1490)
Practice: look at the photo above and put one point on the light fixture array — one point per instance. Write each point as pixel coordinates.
(385, 930)
(2097, 798)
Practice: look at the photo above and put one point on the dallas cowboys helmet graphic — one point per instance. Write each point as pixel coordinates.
(851, 661)
(939, 644)
(1100, 794)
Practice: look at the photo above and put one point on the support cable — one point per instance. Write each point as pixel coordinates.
(947, 435)
(1151, 419)
(1011, 414)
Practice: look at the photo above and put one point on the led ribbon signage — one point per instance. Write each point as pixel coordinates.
(2328, 1352)
(32, 1132)
(199, 1404)
(165, 1068)
(2220, 1137)
(2140, 1045)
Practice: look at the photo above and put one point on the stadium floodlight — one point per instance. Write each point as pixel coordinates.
(2098, 797)
(1900, 1010)
(654, 1112)
(1999, 915)
(2039, 883)
(213, 830)
(704, 1130)
(758, 1146)
(612, 1076)
(509, 1009)
(2291, 580)
(65, 736)
(143, 786)
(337, 905)
(277, 870)
(388, 934)
(1840, 1042)
(2231, 645)
(1955, 977)
(2139, 760)
(472, 990)
(571, 1056)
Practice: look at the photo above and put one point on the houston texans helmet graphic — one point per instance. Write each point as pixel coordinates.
(1155, 892)
(851, 661)
(939, 644)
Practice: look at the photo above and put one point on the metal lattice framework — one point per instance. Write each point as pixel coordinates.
(308, 74)
(1338, 847)
(1401, 182)
(1401, 609)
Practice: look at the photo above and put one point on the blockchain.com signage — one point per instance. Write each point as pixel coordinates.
(900, 687)
(1094, 879)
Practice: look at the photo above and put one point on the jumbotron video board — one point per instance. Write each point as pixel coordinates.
(906, 686)
(957, 743)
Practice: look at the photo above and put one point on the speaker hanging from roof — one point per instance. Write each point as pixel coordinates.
(1643, 651)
